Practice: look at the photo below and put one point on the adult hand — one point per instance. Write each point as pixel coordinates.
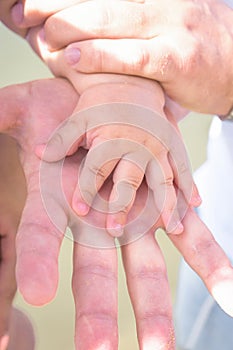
(168, 41)
(31, 117)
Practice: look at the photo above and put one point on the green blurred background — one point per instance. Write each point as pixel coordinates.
(54, 323)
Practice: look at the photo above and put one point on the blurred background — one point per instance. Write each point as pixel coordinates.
(53, 323)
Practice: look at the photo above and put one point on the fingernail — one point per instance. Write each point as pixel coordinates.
(4, 342)
(177, 229)
(80, 208)
(17, 15)
(39, 151)
(72, 55)
(196, 201)
(116, 230)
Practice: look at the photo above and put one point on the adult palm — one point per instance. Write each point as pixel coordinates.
(31, 113)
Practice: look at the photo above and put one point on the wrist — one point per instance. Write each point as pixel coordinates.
(142, 92)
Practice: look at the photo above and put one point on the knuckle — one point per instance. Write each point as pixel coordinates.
(183, 169)
(98, 270)
(168, 181)
(132, 182)
(96, 59)
(198, 253)
(97, 170)
(144, 273)
(103, 317)
(184, 177)
(139, 61)
(191, 59)
(93, 271)
(166, 65)
(192, 15)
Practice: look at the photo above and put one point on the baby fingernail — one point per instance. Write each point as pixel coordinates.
(196, 200)
(175, 229)
(39, 150)
(72, 55)
(179, 228)
(80, 208)
(115, 229)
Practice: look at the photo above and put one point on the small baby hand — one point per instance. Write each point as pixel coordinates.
(131, 142)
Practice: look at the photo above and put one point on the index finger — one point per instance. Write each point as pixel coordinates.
(101, 19)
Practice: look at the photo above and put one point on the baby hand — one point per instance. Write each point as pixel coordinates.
(131, 142)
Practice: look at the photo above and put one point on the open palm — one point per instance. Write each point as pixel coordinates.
(31, 113)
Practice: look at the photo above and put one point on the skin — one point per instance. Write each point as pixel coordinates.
(178, 51)
(96, 89)
(219, 273)
(32, 117)
(13, 194)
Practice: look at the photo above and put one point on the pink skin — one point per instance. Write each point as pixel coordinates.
(96, 89)
(100, 89)
(11, 205)
(147, 39)
(31, 117)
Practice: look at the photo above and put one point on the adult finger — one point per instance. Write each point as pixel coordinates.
(207, 258)
(150, 58)
(95, 280)
(149, 291)
(40, 235)
(95, 295)
(101, 19)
